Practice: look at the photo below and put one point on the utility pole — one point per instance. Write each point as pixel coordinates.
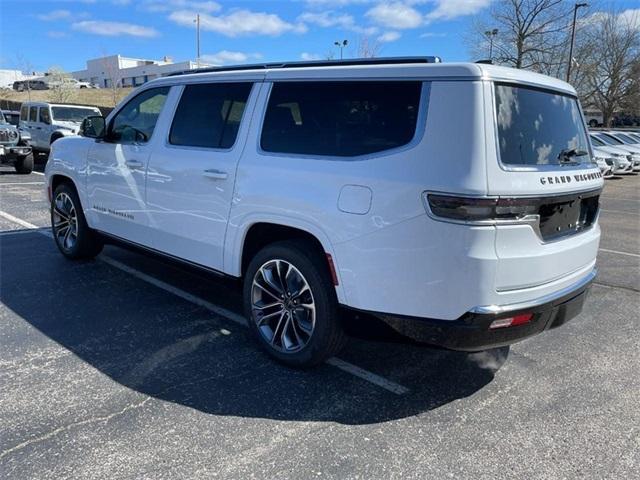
(197, 20)
(341, 45)
(573, 36)
(491, 35)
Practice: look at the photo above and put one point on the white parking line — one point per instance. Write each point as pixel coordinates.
(17, 220)
(618, 211)
(223, 312)
(38, 173)
(22, 183)
(619, 253)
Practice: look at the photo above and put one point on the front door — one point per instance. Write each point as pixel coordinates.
(116, 168)
(191, 176)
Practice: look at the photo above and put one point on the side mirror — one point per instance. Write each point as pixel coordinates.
(93, 127)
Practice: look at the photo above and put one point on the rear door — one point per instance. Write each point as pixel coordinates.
(192, 172)
(540, 156)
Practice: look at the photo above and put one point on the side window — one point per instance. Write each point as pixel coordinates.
(342, 119)
(137, 119)
(33, 114)
(209, 115)
(44, 115)
(24, 113)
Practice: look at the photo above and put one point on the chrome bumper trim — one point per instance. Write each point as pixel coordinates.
(499, 309)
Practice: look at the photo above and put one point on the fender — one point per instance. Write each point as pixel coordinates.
(237, 232)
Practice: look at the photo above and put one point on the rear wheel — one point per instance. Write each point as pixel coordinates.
(291, 304)
(24, 164)
(72, 235)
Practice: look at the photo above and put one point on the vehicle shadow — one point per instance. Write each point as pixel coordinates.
(162, 346)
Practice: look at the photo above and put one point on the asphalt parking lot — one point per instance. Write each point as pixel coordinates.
(131, 367)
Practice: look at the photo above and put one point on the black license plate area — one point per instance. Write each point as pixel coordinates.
(567, 216)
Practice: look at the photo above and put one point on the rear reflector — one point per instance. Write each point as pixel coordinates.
(511, 321)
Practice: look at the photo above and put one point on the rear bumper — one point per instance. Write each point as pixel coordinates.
(471, 332)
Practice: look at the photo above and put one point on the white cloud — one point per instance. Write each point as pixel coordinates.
(448, 9)
(239, 22)
(168, 5)
(327, 19)
(54, 15)
(224, 57)
(112, 29)
(387, 37)
(395, 15)
(309, 56)
(339, 3)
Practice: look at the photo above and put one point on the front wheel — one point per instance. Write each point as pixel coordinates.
(24, 164)
(72, 235)
(291, 304)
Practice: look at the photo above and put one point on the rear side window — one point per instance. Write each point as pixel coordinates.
(33, 114)
(539, 127)
(24, 113)
(209, 115)
(342, 119)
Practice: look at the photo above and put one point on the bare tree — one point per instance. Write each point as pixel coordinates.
(531, 33)
(368, 48)
(612, 62)
(26, 67)
(60, 83)
(114, 76)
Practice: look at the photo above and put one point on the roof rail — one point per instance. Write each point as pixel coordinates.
(314, 63)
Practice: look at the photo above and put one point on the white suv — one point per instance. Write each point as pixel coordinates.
(457, 202)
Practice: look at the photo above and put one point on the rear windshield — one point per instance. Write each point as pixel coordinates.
(71, 114)
(626, 138)
(537, 127)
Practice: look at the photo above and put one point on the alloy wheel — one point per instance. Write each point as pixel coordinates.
(65, 221)
(282, 306)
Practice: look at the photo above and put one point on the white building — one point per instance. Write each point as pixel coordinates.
(129, 72)
(7, 77)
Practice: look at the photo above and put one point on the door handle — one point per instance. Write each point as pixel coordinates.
(215, 174)
(133, 164)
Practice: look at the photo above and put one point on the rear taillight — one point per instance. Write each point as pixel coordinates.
(511, 321)
(470, 209)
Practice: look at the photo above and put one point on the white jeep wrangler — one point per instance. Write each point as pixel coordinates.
(457, 202)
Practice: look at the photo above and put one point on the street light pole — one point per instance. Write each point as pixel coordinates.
(573, 36)
(341, 45)
(197, 40)
(491, 35)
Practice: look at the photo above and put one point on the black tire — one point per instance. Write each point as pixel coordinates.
(24, 164)
(593, 123)
(87, 243)
(327, 337)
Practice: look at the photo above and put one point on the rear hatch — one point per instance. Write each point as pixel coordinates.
(540, 160)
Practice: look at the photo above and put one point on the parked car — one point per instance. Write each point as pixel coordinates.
(47, 122)
(23, 85)
(14, 147)
(622, 142)
(334, 185)
(605, 163)
(11, 116)
(622, 159)
(594, 118)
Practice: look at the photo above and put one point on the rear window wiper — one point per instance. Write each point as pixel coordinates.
(566, 156)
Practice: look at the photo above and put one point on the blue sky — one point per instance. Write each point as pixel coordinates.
(65, 33)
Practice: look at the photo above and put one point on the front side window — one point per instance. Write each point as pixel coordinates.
(137, 119)
(209, 115)
(33, 114)
(539, 127)
(343, 119)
